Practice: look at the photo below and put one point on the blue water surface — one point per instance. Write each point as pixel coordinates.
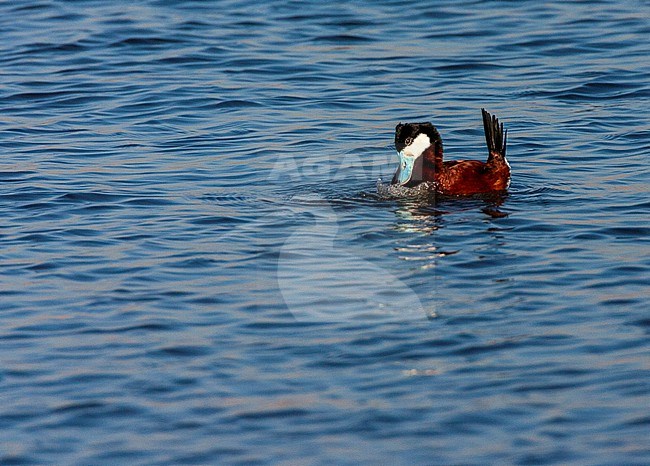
(197, 266)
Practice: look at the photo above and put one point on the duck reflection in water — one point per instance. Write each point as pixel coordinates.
(323, 282)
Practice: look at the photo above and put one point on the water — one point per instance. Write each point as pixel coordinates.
(197, 266)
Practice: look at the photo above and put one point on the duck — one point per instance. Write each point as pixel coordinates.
(420, 151)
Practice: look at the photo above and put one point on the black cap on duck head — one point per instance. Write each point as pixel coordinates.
(406, 136)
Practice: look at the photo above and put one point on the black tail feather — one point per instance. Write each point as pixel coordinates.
(494, 135)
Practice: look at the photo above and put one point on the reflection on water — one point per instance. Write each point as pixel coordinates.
(321, 281)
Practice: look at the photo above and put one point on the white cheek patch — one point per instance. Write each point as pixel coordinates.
(418, 146)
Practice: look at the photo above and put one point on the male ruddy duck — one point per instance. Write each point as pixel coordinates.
(419, 147)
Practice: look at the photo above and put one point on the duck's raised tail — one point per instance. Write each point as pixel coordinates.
(494, 135)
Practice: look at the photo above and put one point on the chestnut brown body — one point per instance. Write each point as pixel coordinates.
(466, 177)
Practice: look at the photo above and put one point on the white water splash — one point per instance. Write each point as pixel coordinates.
(425, 190)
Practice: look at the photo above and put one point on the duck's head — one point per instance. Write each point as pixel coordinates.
(412, 140)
